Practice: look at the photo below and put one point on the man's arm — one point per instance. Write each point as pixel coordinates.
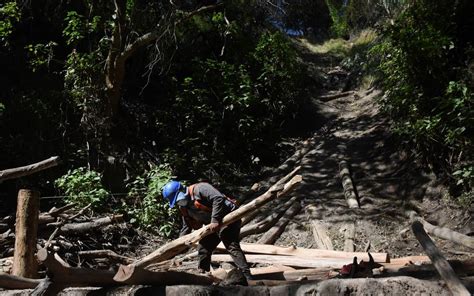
(185, 229)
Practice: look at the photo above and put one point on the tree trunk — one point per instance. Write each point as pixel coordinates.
(24, 263)
(175, 247)
(441, 264)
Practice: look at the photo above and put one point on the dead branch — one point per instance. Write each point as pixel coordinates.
(29, 169)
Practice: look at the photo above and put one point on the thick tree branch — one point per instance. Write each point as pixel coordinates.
(158, 34)
(29, 169)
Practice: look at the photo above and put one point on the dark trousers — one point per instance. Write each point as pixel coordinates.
(230, 237)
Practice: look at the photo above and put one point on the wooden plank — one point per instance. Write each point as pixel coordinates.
(308, 253)
(292, 261)
(349, 236)
(441, 264)
(321, 237)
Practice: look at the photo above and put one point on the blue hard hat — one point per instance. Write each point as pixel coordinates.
(171, 191)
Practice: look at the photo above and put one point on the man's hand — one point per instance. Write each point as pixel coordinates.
(214, 226)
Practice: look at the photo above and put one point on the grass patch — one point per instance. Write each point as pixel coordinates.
(364, 37)
(336, 47)
(341, 48)
(367, 81)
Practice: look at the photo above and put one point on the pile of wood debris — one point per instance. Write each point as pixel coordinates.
(61, 230)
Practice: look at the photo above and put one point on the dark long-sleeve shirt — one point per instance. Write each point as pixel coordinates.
(209, 196)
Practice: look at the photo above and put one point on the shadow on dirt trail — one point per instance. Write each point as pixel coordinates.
(387, 180)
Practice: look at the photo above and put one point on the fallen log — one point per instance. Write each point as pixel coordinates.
(267, 222)
(8, 281)
(280, 189)
(76, 228)
(347, 185)
(274, 233)
(441, 264)
(320, 235)
(61, 276)
(109, 254)
(330, 97)
(26, 229)
(29, 169)
(311, 253)
(442, 232)
(427, 270)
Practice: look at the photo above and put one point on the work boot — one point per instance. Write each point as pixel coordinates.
(235, 277)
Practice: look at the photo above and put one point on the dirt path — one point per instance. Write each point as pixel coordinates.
(388, 182)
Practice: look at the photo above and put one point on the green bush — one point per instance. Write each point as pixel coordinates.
(83, 186)
(423, 65)
(144, 203)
